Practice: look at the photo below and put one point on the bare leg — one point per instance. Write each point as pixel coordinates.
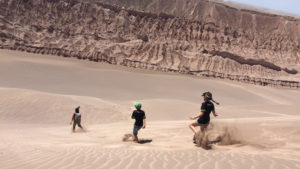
(79, 125)
(74, 125)
(203, 128)
(192, 127)
(135, 138)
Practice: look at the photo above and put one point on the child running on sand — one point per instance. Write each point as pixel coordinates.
(140, 120)
(204, 117)
(76, 119)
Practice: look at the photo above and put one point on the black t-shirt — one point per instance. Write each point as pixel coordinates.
(138, 115)
(206, 108)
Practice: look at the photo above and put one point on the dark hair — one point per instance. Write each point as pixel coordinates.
(77, 110)
(208, 96)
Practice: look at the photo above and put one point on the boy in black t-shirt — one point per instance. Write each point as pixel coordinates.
(204, 117)
(140, 120)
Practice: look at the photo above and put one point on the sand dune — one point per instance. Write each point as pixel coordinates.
(39, 94)
(198, 37)
(101, 147)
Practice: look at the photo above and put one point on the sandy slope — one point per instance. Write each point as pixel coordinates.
(39, 93)
(198, 37)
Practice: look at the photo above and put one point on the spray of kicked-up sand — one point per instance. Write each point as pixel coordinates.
(230, 133)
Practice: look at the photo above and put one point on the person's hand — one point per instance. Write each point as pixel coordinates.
(216, 115)
(144, 126)
(70, 123)
(192, 118)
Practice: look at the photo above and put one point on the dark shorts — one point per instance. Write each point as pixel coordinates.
(136, 129)
(201, 122)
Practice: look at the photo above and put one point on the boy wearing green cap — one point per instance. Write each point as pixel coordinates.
(140, 120)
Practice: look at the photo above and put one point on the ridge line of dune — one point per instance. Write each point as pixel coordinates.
(163, 42)
(99, 57)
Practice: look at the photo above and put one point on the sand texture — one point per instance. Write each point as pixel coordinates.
(196, 37)
(259, 126)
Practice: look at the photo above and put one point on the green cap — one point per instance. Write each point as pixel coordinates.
(137, 105)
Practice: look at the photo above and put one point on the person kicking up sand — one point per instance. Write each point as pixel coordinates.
(203, 118)
(140, 120)
(76, 119)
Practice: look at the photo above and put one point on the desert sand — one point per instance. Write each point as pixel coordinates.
(40, 92)
(198, 37)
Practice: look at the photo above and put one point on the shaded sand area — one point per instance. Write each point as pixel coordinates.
(39, 94)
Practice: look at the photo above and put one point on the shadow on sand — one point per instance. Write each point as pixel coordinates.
(145, 141)
(129, 137)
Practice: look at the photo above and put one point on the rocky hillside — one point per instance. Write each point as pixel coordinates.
(196, 37)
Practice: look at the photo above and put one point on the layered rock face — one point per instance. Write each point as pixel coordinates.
(189, 36)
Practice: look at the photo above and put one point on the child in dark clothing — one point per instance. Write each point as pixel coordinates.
(76, 119)
(140, 120)
(203, 118)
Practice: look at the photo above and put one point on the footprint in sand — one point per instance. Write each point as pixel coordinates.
(129, 137)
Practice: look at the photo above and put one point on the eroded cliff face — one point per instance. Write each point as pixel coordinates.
(189, 36)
